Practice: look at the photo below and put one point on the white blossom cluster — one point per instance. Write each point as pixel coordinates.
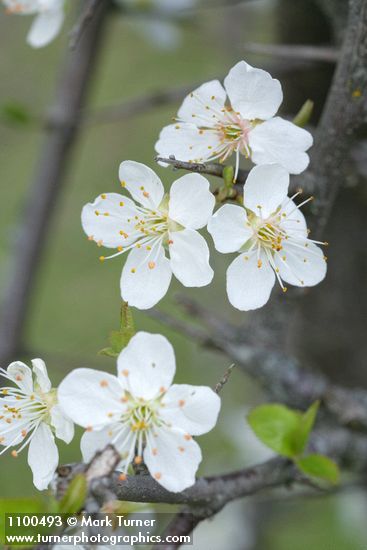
(139, 410)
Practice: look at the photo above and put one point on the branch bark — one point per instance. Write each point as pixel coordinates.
(60, 134)
(209, 494)
(281, 374)
(345, 111)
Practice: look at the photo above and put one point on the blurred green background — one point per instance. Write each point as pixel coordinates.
(76, 300)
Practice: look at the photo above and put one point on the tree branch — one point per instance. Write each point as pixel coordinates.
(282, 375)
(209, 494)
(344, 112)
(60, 134)
(90, 10)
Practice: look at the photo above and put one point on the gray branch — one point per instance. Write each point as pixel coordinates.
(281, 375)
(60, 134)
(344, 113)
(209, 494)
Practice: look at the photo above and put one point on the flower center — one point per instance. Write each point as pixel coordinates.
(21, 414)
(270, 235)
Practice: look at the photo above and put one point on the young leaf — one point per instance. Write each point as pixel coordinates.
(74, 498)
(303, 116)
(319, 466)
(119, 339)
(306, 424)
(276, 426)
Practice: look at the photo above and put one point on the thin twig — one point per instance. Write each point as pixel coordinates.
(327, 54)
(224, 379)
(210, 169)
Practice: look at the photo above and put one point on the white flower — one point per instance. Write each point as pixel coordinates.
(211, 126)
(148, 229)
(271, 235)
(48, 21)
(30, 415)
(141, 413)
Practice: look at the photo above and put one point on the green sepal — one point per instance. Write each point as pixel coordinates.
(303, 116)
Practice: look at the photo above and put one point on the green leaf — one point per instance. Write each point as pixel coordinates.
(319, 466)
(118, 339)
(303, 116)
(307, 422)
(15, 113)
(276, 426)
(74, 498)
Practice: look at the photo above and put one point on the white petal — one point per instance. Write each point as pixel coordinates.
(12, 434)
(187, 142)
(95, 440)
(253, 92)
(142, 183)
(21, 374)
(45, 27)
(249, 286)
(64, 427)
(265, 189)
(282, 142)
(104, 219)
(199, 106)
(304, 266)
(148, 364)
(229, 228)
(145, 278)
(293, 221)
(116, 434)
(40, 370)
(189, 258)
(191, 203)
(172, 458)
(91, 398)
(193, 409)
(43, 456)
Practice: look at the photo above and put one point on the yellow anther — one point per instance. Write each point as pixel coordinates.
(123, 183)
(102, 258)
(122, 203)
(133, 270)
(259, 263)
(151, 265)
(103, 196)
